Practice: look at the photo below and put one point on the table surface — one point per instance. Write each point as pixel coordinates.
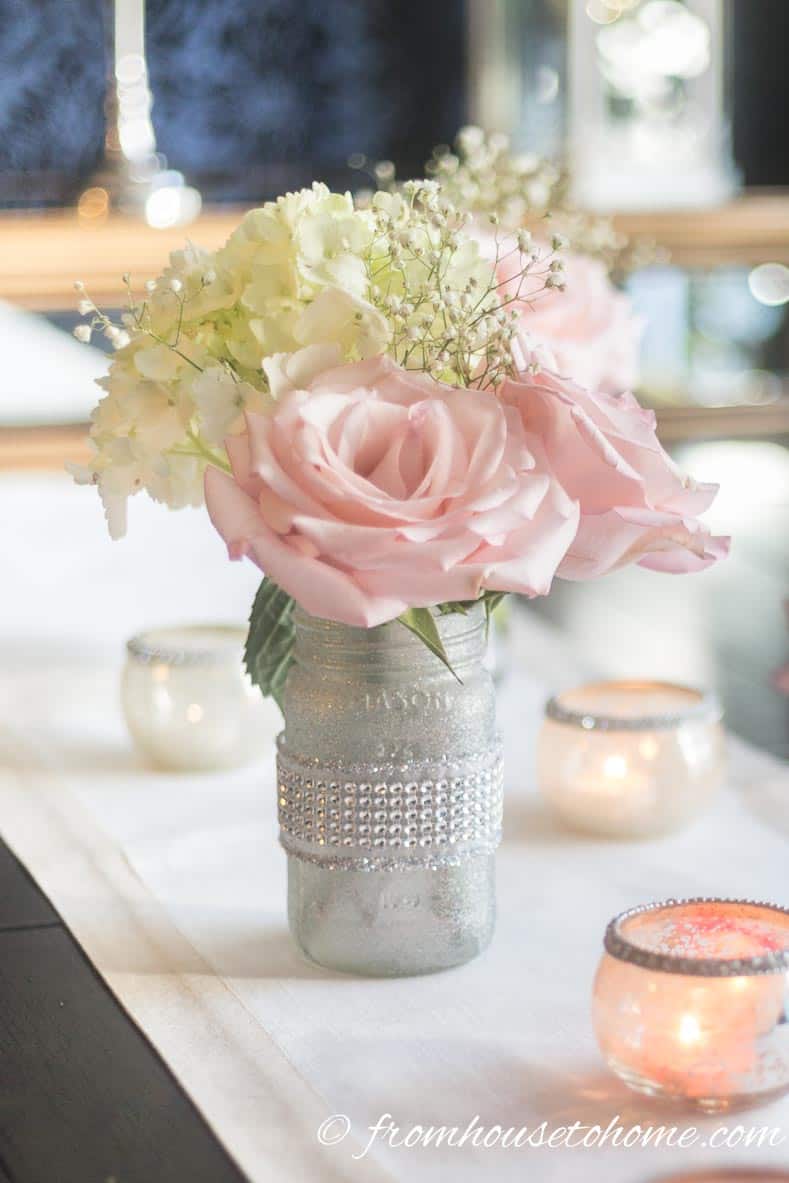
(89, 1097)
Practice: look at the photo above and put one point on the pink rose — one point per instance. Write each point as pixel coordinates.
(374, 489)
(636, 506)
(589, 330)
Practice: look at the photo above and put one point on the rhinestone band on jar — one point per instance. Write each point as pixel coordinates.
(415, 813)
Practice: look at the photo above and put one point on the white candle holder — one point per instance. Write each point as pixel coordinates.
(189, 703)
(691, 1001)
(630, 759)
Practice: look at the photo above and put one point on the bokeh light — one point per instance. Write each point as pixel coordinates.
(769, 284)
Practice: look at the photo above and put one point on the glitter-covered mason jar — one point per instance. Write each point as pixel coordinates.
(390, 794)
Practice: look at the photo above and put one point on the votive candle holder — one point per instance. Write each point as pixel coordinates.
(188, 702)
(630, 759)
(691, 1001)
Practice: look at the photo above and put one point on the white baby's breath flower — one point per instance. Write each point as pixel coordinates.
(83, 333)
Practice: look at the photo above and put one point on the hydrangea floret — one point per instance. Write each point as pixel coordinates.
(195, 349)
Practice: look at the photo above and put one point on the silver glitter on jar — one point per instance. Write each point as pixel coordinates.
(390, 796)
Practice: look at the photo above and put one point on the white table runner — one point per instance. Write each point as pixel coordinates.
(174, 885)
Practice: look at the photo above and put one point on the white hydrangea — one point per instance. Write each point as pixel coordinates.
(136, 432)
(305, 280)
(220, 400)
(293, 274)
(285, 254)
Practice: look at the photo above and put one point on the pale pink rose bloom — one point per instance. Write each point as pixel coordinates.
(588, 332)
(376, 489)
(636, 506)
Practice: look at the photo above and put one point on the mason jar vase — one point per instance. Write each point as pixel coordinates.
(390, 796)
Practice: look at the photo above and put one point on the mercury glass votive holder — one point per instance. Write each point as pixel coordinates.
(691, 1001)
(188, 702)
(630, 759)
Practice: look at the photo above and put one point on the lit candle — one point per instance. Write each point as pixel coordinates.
(691, 1001)
(630, 758)
(188, 702)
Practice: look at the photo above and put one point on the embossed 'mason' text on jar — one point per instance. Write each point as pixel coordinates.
(394, 700)
(389, 777)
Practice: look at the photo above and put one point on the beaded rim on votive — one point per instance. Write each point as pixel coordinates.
(705, 707)
(623, 949)
(145, 648)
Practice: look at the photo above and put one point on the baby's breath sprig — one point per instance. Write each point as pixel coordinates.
(138, 317)
(483, 174)
(98, 321)
(445, 304)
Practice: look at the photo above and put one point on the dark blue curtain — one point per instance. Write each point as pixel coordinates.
(249, 94)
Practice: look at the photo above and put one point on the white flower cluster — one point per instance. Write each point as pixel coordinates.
(598, 237)
(171, 394)
(310, 272)
(190, 353)
(439, 294)
(483, 175)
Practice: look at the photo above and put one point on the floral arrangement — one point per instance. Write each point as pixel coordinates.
(591, 335)
(355, 391)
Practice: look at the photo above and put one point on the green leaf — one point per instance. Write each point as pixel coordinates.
(421, 622)
(455, 606)
(269, 648)
(491, 601)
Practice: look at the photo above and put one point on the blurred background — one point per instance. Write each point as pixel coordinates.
(127, 127)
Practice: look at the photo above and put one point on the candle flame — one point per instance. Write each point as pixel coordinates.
(689, 1030)
(649, 748)
(615, 767)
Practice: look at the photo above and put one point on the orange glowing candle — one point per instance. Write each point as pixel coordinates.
(691, 1001)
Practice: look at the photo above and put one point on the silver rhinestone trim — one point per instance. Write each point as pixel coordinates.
(706, 709)
(706, 967)
(390, 816)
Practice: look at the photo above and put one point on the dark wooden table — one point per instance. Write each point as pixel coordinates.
(84, 1097)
